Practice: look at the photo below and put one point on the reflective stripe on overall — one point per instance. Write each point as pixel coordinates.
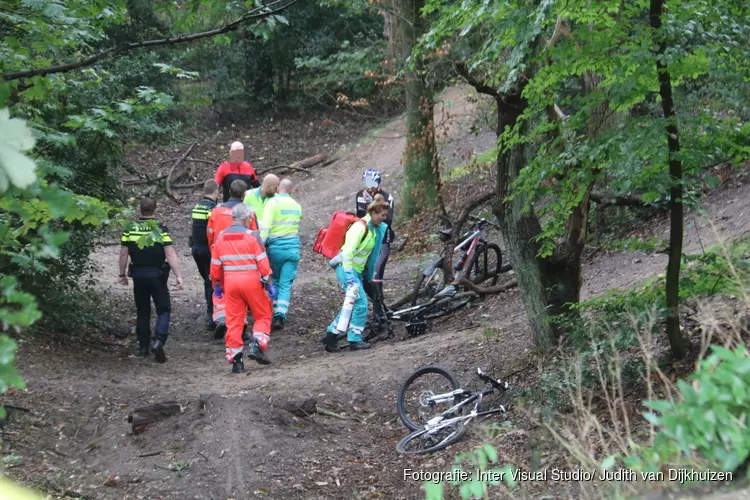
(280, 232)
(238, 262)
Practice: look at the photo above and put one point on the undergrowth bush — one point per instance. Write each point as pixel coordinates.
(616, 397)
(614, 321)
(709, 418)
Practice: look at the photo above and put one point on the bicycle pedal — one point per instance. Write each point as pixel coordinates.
(416, 328)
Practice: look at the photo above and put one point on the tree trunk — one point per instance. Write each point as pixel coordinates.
(520, 230)
(420, 166)
(676, 340)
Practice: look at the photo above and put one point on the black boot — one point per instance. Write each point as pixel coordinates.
(277, 324)
(358, 346)
(257, 354)
(158, 350)
(237, 365)
(377, 299)
(144, 351)
(221, 329)
(331, 342)
(245, 335)
(210, 325)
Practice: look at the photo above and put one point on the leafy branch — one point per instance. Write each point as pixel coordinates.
(252, 15)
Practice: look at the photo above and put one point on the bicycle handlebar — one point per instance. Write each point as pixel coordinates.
(497, 383)
(482, 219)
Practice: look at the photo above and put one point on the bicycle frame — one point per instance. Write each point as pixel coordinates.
(472, 240)
(438, 422)
(433, 268)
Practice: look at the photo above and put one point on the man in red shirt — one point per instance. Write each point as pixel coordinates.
(234, 169)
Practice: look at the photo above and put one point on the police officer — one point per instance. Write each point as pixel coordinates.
(199, 246)
(150, 273)
(279, 231)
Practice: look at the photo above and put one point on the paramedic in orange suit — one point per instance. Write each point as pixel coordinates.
(219, 220)
(240, 268)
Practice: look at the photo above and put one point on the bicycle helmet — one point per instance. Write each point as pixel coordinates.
(372, 178)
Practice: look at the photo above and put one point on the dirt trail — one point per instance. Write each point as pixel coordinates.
(243, 444)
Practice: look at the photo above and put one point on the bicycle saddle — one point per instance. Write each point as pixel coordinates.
(445, 234)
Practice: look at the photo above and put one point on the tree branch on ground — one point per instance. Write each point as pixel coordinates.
(137, 182)
(299, 166)
(252, 15)
(191, 185)
(279, 167)
(168, 188)
(488, 290)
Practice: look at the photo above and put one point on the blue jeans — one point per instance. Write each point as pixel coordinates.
(359, 313)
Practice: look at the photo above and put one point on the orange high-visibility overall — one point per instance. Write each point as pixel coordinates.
(238, 262)
(219, 220)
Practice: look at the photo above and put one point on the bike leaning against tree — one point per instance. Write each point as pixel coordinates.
(478, 261)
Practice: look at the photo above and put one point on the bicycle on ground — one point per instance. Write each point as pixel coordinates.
(433, 432)
(415, 317)
(478, 261)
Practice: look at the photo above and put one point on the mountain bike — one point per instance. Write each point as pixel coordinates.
(478, 261)
(415, 317)
(434, 432)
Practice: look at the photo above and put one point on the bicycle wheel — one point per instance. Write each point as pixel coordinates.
(420, 443)
(426, 382)
(485, 264)
(446, 306)
(427, 286)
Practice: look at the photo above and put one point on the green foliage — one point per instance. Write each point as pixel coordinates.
(613, 131)
(17, 309)
(612, 321)
(482, 459)
(322, 50)
(15, 137)
(710, 418)
(82, 122)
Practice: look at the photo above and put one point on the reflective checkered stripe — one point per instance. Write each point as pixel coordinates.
(201, 211)
(138, 230)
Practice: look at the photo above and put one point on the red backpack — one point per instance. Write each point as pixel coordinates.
(330, 239)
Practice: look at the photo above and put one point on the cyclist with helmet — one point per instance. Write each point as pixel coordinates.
(372, 179)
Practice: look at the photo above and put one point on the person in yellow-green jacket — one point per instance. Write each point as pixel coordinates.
(358, 259)
(258, 197)
(279, 231)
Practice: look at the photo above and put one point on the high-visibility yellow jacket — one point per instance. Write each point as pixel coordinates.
(281, 218)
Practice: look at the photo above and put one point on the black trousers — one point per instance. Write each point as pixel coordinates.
(375, 290)
(202, 258)
(146, 289)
